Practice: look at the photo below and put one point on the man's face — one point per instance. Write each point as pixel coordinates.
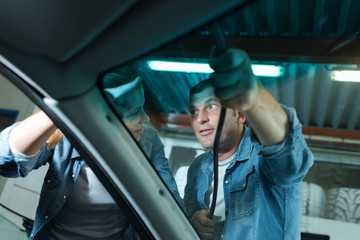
(205, 112)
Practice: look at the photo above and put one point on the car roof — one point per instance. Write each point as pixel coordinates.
(64, 45)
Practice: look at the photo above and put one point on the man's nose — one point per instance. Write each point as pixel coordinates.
(202, 117)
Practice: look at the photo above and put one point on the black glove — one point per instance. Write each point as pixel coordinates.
(233, 79)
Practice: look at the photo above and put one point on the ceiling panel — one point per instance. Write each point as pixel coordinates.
(307, 37)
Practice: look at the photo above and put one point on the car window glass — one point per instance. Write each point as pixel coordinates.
(22, 197)
(300, 54)
(18, 197)
(303, 52)
(124, 89)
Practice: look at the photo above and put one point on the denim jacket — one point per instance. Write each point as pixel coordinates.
(64, 167)
(262, 186)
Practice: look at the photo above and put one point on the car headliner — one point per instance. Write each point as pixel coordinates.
(67, 78)
(63, 45)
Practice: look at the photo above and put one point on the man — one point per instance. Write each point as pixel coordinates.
(260, 169)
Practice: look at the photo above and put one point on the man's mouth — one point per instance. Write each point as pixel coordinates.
(205, 132)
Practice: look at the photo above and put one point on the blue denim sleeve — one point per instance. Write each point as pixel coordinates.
(18, 167)
(161, 164)
(289, 161)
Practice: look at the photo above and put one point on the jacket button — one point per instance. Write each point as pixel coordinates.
(226, 181)
(46, 217)
(48, 181)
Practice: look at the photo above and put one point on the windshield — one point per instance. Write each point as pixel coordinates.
(180, 119)
(301, 55)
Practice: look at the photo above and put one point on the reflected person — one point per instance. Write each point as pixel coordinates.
(73, 203)
(261, 168)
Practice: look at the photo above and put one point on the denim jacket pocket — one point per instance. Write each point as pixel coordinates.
(50, 181)
(245, 196)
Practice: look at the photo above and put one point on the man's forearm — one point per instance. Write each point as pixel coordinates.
(267, 119)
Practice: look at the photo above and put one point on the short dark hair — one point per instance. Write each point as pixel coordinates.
(199, 87)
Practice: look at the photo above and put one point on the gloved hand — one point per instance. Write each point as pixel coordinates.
(234, 82)
(203, 225)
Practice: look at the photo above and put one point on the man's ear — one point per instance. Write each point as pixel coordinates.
(240, 117)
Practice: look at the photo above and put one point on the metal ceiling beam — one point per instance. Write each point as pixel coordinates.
(354, 117)
(319, 17)
(183, 121)
(305, 93)
(338, 109)
(343, 17)
(339, 50)
(294, 17)
(271, 17)
(323, 97)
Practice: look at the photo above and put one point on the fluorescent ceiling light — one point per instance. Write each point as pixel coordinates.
(179, 66)
(258, 69)
(346, 75)
(267, 70)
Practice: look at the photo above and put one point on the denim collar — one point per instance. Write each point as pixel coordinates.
(245, 148)
(242, 154)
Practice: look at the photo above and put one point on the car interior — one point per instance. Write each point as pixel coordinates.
(305, 53)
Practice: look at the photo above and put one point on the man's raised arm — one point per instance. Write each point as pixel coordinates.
(238, 88)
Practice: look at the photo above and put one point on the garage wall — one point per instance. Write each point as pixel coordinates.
(19, 194)
(12, 99)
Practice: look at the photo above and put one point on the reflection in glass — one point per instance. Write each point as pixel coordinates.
(124, 91)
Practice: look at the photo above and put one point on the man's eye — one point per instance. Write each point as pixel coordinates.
(193, 112)
(213, 106)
